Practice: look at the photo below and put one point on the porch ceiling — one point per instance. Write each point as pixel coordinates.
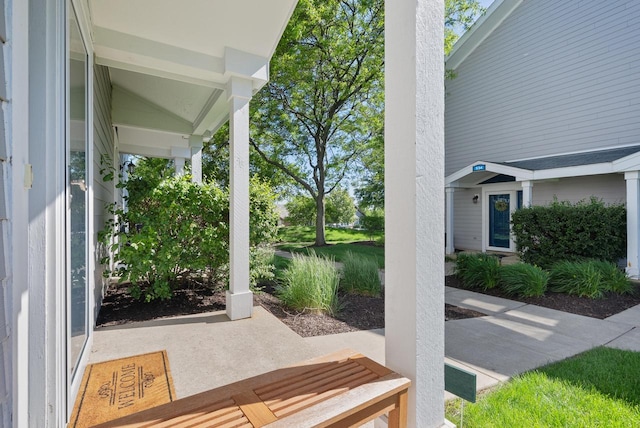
(171, 62)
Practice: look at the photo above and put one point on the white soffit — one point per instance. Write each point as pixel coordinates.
(180, 55)
(183, 99)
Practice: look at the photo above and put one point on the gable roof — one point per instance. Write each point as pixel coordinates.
(480, 30)
(594, 162)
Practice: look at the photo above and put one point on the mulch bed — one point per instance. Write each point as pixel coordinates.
(602, 308)
(356, 312)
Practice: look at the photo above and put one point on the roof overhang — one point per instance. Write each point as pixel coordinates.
(480, 171)
(171, 63)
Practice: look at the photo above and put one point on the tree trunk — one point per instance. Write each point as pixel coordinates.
(320, 239)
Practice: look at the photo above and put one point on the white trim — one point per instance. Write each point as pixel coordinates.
(519, 173)
(18, 143)
(633, 223)
(481, 29)
(511, 189)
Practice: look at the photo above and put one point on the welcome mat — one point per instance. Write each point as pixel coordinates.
(117, 388)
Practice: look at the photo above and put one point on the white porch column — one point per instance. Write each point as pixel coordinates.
(195, 143)
(633, 230)
(414, 179)
(527, 193)
(239, 297)
(179, 165)
(449, 246)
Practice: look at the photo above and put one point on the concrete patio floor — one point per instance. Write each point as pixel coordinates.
(207, 350)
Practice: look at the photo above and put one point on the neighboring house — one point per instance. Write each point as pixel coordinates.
(83, 82)
(544, 104)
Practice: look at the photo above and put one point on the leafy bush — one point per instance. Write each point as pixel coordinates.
(588, 278)
(373, 222)
(565, 231)
(614, 279)
(479, 270)
(310, 282)
(523, 280)
(179, 229)
(261, 265)
(360, 275)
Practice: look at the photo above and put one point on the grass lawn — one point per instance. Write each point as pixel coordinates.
(600, 387)
(298, 239)
(306, 234)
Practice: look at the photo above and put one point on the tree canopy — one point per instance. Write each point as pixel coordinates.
(324, 102)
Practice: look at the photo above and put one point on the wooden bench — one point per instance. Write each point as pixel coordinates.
(342, 389)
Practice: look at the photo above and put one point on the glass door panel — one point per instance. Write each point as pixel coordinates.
(77, 193)
(499, 217)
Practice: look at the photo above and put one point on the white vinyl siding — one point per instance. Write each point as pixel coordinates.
(467, 219)
(610, 188)
(554, 77)
(5, 236)
(103, 191)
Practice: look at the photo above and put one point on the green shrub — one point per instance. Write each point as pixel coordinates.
(523, 280)
(614, 279)
(565, 231)
(177, 230)
(479, 270)
(588, 278)
(310, 282)
(360, 275)
(261, 265)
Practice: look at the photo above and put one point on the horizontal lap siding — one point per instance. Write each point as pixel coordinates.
(467, 219)
(610, 188)
(554, 77)
(6, 312)
(103, 193)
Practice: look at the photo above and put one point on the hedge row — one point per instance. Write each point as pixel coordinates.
(565, 231)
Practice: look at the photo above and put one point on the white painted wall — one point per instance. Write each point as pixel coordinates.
(554, 77)
(467, 219)
(103, 192)
(414, 182)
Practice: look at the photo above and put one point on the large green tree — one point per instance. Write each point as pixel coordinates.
(324, 102)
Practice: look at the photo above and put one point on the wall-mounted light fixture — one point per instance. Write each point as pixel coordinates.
(475, 198)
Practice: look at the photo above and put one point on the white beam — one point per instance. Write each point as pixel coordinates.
(239, 297)
(247, 66)
(633, 223)
(414, 179)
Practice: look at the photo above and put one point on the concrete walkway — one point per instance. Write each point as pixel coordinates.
(208, 350)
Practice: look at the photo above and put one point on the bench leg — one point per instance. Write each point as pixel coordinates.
(398, 416)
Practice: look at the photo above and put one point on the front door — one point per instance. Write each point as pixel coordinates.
(499, 220)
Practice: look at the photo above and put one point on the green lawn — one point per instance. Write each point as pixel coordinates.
(304, 234)
(299, 239)
(598, 388)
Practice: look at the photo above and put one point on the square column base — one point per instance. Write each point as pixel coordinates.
(632, 272)
(239, 305)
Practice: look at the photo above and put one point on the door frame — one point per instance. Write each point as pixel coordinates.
(511, 189)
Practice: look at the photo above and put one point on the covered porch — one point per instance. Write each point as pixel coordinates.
(614, 171)
(179, 71)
